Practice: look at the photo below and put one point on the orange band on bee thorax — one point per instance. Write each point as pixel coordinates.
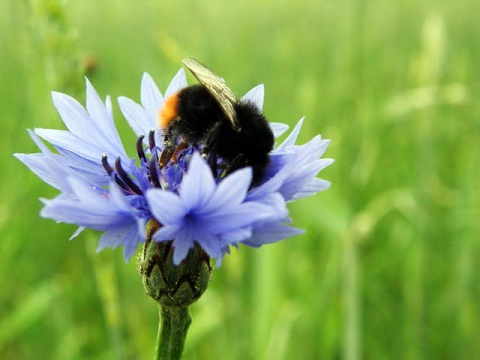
(169, 111)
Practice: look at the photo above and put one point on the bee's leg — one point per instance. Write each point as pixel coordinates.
(211, 138)
(169, 143)
(210, 143)
(166, 155)
(237, 163)
(212, 162)
(183, 145)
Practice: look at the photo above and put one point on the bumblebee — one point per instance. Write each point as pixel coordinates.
(209, 114)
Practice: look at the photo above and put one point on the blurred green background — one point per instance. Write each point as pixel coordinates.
(389, 266)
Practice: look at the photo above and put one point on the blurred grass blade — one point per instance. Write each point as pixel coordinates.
(30, 310)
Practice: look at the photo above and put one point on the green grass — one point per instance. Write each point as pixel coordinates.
(388, 268)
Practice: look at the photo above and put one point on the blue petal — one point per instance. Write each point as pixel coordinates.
(168, 232)
(278, 129)
(178, 82)
(131, 241)
(127, 235)
(77, 232)
(314, 186)
(103, 218)
(62, 139)
(136, 117)
(270, 233)
(298, 180)
(210, 243)
(237, 235)
(92, 171)
(74, 116)
(290, 140)
(47, 166)
(182, 244)
(225, 220)
(273, 184)
(90, 134)
(166, 206)
(255, 96)
(116, 236)
(103, 120)
(277, 204)
(198, 185)
(44, 170)
(91, 208)
(231, 191)
(278, 160)
(312, 150)
(99, 131)
(151, 98)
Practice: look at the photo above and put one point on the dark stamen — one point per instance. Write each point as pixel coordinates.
(126, 179)
(121, 183)
(106, 165)
(140, 152)
(151, 139)
(153, 171)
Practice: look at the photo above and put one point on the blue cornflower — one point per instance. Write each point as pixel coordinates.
(102, 188)
(214, 215)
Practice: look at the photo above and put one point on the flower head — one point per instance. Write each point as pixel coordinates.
(213, 215)
(191, 199)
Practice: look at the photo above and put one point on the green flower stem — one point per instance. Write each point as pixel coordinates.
(173, 327)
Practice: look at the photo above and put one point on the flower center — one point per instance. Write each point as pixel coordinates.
(153, 174)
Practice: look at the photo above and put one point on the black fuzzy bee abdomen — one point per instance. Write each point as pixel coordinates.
(251, 145)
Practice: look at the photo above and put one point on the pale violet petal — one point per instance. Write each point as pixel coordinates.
(151, 97)
(77, 232)
(237, 235)
(167, 232)
(178, 82)
(115, 237)
(300, 178)
(292, 137)
(255, 96)
(232, 190)
(167, 207)
(37, 164)
(314, 186)
(136, 117)
(68, 141)
(231, 219)
(131, 241)
(99, 114)
(210, 243)
(198, 185)
(182, 244)
(103, 120)
(278, 129)
(47, 166)
(74, 115)
(270, 233)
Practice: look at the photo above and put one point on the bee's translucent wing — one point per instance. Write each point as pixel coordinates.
(216, 86)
